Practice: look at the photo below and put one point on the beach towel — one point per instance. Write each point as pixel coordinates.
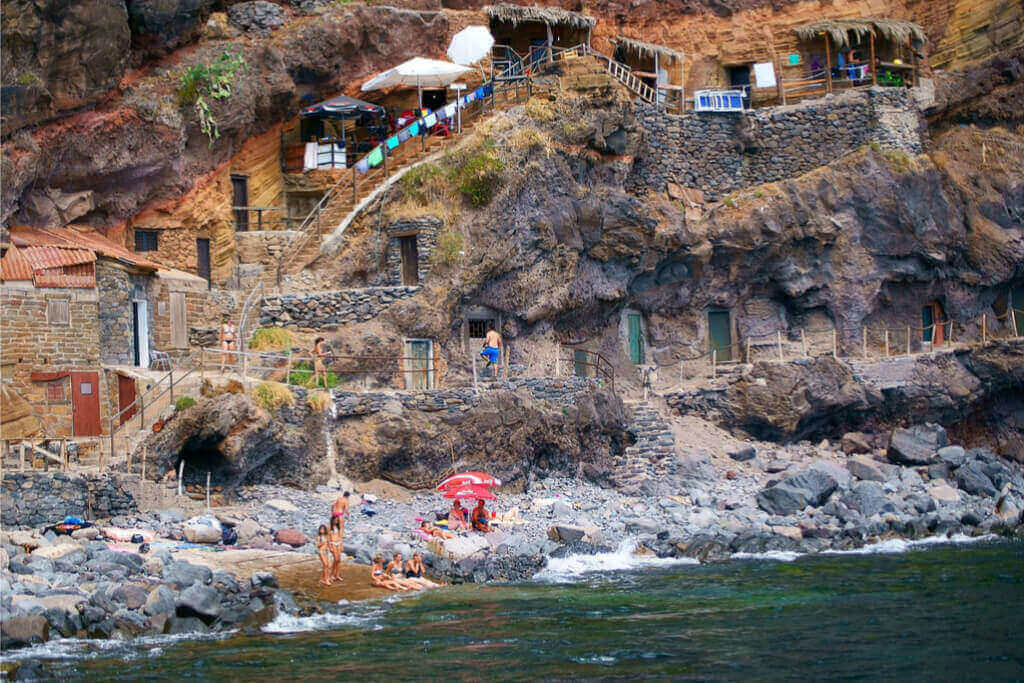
(392, 142)
(125, 535)
(414, 129)
(449, 111)
(375, 157)
(430, 121)
(404, 135)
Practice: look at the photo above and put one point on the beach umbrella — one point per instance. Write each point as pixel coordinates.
(419, 72)
(470, 45)
(469, 491)
(472, 478)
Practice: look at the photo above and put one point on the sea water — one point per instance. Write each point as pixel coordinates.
(904, 611)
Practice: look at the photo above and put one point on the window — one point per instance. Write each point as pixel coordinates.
(478, 328)
(58, 311)
(145, 240)
(85, 388)
(55, 392)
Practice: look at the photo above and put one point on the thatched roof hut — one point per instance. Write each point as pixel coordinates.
(646, 49)
(519, 14)
(897, 31)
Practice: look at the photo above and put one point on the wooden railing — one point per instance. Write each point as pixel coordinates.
(243, 218)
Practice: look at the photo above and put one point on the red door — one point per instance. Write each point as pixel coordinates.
(125, 398)
(85, 403)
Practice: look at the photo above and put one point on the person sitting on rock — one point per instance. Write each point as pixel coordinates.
(480, 517)
(379, 579)
(457, 517)
(396, 571)
(414, 571)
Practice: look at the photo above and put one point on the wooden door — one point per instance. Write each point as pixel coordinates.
(410, 260)
(240, 198)
(720, 335)
(636, 338)
(933, 321)
(179, 325)
(420, 373)
(125, 398)
(203, 258)
(85, 403)
(1017, 304)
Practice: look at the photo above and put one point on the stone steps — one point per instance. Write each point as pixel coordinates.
(653, 453)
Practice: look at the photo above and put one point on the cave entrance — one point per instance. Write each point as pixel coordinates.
(933, 319)
(201, 456)
(720, 334)
(1017, 309)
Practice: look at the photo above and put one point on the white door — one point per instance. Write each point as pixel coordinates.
(142, 332)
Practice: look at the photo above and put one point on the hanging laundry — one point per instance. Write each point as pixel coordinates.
(414, 129)
(375, 157)
(404, 135)
(392, 142)
(430, 121)
(449, 111)
(363, 166)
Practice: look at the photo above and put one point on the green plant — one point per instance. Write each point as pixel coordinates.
(27, 78)
(271, 339)
(273, 395)
(423, 183)
(183, 402)
(302, 376)
(730, 202)
(449, 247)
(319, 401)
(539, 110)
(476, 176)
(200, 81)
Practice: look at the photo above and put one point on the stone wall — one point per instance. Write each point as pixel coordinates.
(720, 153)
(425, 229)
(116, 289)
(258, 255)
(33, 499)
(329, 310)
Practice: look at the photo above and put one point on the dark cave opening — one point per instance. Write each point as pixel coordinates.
(201, 455)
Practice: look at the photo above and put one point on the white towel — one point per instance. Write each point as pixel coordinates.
(309, 157)
(764, 75)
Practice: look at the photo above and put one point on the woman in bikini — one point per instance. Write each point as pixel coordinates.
(457, 517)
(379, 579)
(414, 571)
(434, 532)
(324, 553)
(396, 571)
(335, 541)
(228, 333)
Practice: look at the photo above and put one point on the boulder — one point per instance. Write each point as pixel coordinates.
(954, 456)
(263, 580)
(973, 479)
(131, 595)
(868, 498)
(815, 483)
(782, 499)
(55, 552)
(281, 505)
(566, 534)
(833, 469)
(179, 625)
(917, 445)
(259, 17)
(89, 533)
(943, 492)
(203, 529)
(865, 469)
(199, 601)
(26, 630)
(561, 510)
(159, 601)
(182, 574)
(247, 530)
(742, 453)
(292, 537)
(642, 526)
(855, 442)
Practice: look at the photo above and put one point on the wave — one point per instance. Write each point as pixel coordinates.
(86, 648)
(359, 614)
(892, 546)
(568, 569)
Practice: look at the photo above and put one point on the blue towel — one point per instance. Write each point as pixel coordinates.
(404, 135)
(363, 166)
(414, 129)
(392, 142)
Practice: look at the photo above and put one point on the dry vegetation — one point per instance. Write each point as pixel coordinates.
(273, 395)
(319, 401)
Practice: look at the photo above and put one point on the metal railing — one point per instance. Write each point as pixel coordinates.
(253, 301)
(243, 218)
(584, 363)
(163, 386)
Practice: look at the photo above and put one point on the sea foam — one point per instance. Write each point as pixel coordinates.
(568, 569)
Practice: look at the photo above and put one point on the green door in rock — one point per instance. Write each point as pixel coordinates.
(419, 370)
(1017, 301)
(720, 335)
(636, 338)
(582, 363)
(927, 322)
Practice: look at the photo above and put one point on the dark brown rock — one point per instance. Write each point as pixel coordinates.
(21, 631)
(291, 537)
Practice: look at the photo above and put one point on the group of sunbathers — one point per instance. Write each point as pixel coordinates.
(398, 575)
(330, 542)
(479, 517)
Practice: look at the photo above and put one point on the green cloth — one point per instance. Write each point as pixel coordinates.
(794, 60)
(375, 157)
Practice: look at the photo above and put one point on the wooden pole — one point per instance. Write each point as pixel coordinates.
(828, 64)
(908, 340)
(473, 356)
(202, 364)
(865, 342)
(680, 372)
(913, 59)
(803, 341)
(145, 454)
(835, 343)
(558, 360)
(984, 330)
(21, 456)
(782, 89)
(207, 490)
(887, 342)
(874, 71)
(181, 472)
(748, 350)
(778, 340)
(682, 84)
(1013, 322)
(950, 331)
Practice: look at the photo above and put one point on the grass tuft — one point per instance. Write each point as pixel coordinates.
(273, 395)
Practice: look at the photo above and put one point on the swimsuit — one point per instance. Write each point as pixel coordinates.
(410, 574)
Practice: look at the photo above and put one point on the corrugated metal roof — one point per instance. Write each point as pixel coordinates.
(41, 258)
(14, 266)
(79, 238)
(81, 276)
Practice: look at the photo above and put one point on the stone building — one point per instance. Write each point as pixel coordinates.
(82, 319)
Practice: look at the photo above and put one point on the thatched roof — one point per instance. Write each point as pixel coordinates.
(519, 14)
(839, 30)
(642, 48)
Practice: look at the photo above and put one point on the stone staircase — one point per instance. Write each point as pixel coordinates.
(652, 457)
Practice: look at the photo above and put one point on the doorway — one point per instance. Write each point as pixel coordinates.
(140, 336)
(179, 323)
(583, 365)
(85, 403)
(203, 259)
(720, 334)
(410, 260)
(1017, 306)
(434, 99)
(125, 398)
(933, 320)
(636, 338)
(240, 198)
(419, 364)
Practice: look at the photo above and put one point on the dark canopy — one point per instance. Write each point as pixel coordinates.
(341, 107)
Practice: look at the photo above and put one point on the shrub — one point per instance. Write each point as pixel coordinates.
(302, 376)
(476, 176)
(539, 110)
(183, 402)
(271, 339)
(423, 183)
(449, 247)
(200, 81)
(273, 395)
(319, 401)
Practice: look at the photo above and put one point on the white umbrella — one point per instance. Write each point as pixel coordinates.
(420, 72)
(470, 45)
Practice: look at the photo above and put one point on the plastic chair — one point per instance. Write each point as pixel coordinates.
(161, 359)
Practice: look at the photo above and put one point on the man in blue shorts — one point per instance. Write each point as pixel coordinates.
(492, 349)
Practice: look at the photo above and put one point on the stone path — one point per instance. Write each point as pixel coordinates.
(653, 454)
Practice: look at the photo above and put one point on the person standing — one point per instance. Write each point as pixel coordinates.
(492, 349)
(318, 362)
(227, 335)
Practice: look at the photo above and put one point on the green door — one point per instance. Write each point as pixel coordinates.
(636, 338)
(581, 362)
(418, 359)
(720, 334)
(1017, 301)
(927, 320)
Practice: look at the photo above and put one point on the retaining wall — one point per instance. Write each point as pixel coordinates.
(328, 310)
(39, 498)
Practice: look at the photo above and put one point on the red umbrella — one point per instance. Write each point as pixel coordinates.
(473, 478)
(469, 491)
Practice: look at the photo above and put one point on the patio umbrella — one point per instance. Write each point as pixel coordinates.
(470, 45)
(419, 72)
(469, 491)
(472, 478)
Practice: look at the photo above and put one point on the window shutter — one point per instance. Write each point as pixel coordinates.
(179, 326)
(58, 311)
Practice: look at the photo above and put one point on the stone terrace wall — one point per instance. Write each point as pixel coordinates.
(425, 230)
(561, 391)
(328, 310)
(719, 153)
(36, 498)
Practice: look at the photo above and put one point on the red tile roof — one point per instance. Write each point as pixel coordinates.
(14, 266)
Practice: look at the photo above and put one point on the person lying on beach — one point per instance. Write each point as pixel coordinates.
(336, 542)
(414, 571)
(323, 551)
(480, 517)
(396, 572)
(457, 517)
(432, 531)
(379, 579)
